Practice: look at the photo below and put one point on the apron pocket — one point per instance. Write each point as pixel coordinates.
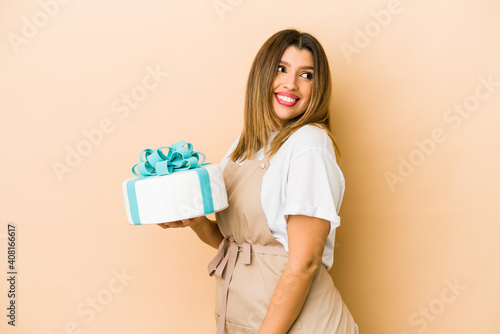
(241, 329)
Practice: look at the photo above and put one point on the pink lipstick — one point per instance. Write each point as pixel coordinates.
(286, 99)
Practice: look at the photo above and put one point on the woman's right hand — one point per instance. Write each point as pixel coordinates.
(206, 229)
(192, 222)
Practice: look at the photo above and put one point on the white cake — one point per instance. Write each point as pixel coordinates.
(180, 195)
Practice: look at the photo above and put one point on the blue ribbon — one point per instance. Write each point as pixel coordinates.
(180, 157)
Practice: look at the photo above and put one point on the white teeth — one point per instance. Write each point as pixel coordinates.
(286, 98)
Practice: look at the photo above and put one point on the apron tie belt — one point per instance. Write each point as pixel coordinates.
(222, 266)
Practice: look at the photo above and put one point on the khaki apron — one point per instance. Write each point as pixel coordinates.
(250, 262)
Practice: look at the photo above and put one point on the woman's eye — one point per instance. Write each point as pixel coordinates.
(281, 68)
(307, 75)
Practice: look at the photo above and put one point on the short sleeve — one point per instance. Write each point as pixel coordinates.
(315, 186)
(225, 159)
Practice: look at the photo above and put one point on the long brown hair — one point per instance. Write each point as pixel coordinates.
(259, 117)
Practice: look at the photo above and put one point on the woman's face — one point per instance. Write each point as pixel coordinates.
(292, 86)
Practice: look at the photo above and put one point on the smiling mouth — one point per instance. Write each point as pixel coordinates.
(286, 100)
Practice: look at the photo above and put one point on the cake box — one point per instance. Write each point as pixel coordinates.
(173, 186)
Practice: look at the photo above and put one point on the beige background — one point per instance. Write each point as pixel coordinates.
(420, 255)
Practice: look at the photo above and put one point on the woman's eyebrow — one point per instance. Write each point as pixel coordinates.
(302, 67)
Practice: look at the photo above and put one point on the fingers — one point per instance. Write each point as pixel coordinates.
(183, 222)
(179, 223)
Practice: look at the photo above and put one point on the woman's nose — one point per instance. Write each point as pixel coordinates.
(290, 82)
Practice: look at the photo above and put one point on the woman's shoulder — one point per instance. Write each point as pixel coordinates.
(310, 137)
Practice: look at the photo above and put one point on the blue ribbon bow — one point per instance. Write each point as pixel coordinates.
(180, 157)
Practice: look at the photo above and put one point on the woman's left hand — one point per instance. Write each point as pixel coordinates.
(306, 242)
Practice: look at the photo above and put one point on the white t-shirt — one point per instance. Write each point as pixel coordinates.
(303, 178)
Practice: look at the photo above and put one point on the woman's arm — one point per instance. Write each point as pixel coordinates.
(206, 229)
(306, 241)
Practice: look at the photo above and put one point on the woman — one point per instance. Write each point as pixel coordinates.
(285, 189)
